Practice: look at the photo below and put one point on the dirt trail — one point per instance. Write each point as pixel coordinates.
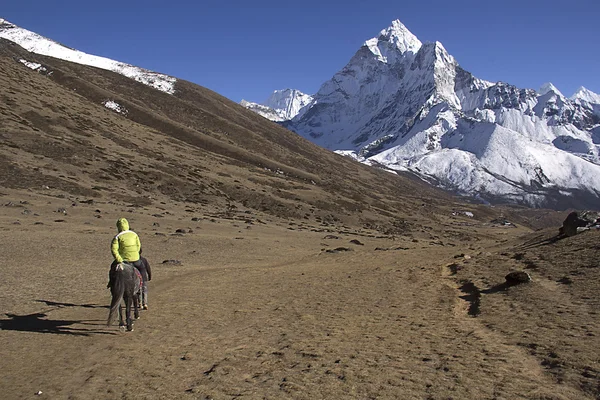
(260, 313)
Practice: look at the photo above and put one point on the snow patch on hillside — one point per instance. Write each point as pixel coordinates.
(32, 65)
(113, 105)
(40, 45)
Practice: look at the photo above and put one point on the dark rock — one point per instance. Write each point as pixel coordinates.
(171, 262)
(517, 277)
(337, 250)
(356, 241)
(331, 237)
(576, 220)
(180, 231)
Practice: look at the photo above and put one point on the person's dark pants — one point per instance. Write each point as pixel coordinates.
(141, 267)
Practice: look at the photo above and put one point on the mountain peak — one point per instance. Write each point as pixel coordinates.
(548, 87)
(586, 95)
(398, 35)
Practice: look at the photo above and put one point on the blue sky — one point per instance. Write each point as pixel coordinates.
(247, 49)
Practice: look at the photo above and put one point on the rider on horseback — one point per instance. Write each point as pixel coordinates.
(126, 247)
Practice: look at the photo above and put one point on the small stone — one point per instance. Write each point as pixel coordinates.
(171, 262)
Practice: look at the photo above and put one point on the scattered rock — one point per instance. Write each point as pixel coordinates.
(356, 241)
(331, 237)
(565, 280)
(503, 222)
(337, 250)
(171, 262)
(180, 231)
(62, 211)
(517, 277)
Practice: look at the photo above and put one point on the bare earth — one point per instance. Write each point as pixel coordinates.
(258, 309)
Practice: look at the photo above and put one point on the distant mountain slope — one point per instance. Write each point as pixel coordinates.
(282, 105)
(410, 106)
(35, 43)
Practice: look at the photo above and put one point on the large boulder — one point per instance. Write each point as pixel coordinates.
(576, 220)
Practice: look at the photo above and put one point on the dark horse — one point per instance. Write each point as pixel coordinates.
(126, 285)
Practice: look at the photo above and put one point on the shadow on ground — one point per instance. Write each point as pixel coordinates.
(37, 322)
(59, 304)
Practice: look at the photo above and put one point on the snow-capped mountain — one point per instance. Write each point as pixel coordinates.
(282, 105)
(410, 106)
(40, 45)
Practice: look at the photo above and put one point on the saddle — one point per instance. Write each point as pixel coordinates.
(137, 272)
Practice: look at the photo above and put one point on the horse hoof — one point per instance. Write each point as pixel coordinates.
(130, 329)
(137, 317)
(122, 328)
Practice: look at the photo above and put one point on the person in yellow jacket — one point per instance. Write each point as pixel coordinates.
(126, 246)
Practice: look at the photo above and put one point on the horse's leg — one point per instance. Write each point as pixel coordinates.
(136, 306)
(128, 302)
(121, 323)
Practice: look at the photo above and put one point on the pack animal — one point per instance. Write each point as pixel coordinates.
(126, 286)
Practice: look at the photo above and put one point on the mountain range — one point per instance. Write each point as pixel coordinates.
(404, 105)
(84, 127)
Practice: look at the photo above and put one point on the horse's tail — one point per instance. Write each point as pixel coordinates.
(117, 290)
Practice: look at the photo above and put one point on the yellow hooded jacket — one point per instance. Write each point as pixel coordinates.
(126, 245)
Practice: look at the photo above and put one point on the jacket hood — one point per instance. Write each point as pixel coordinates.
(122, 224)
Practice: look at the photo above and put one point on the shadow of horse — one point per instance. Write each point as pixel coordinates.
(60, 305)
(37, 322)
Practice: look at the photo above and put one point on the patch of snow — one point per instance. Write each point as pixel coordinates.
(113, 105)
(32, 65)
